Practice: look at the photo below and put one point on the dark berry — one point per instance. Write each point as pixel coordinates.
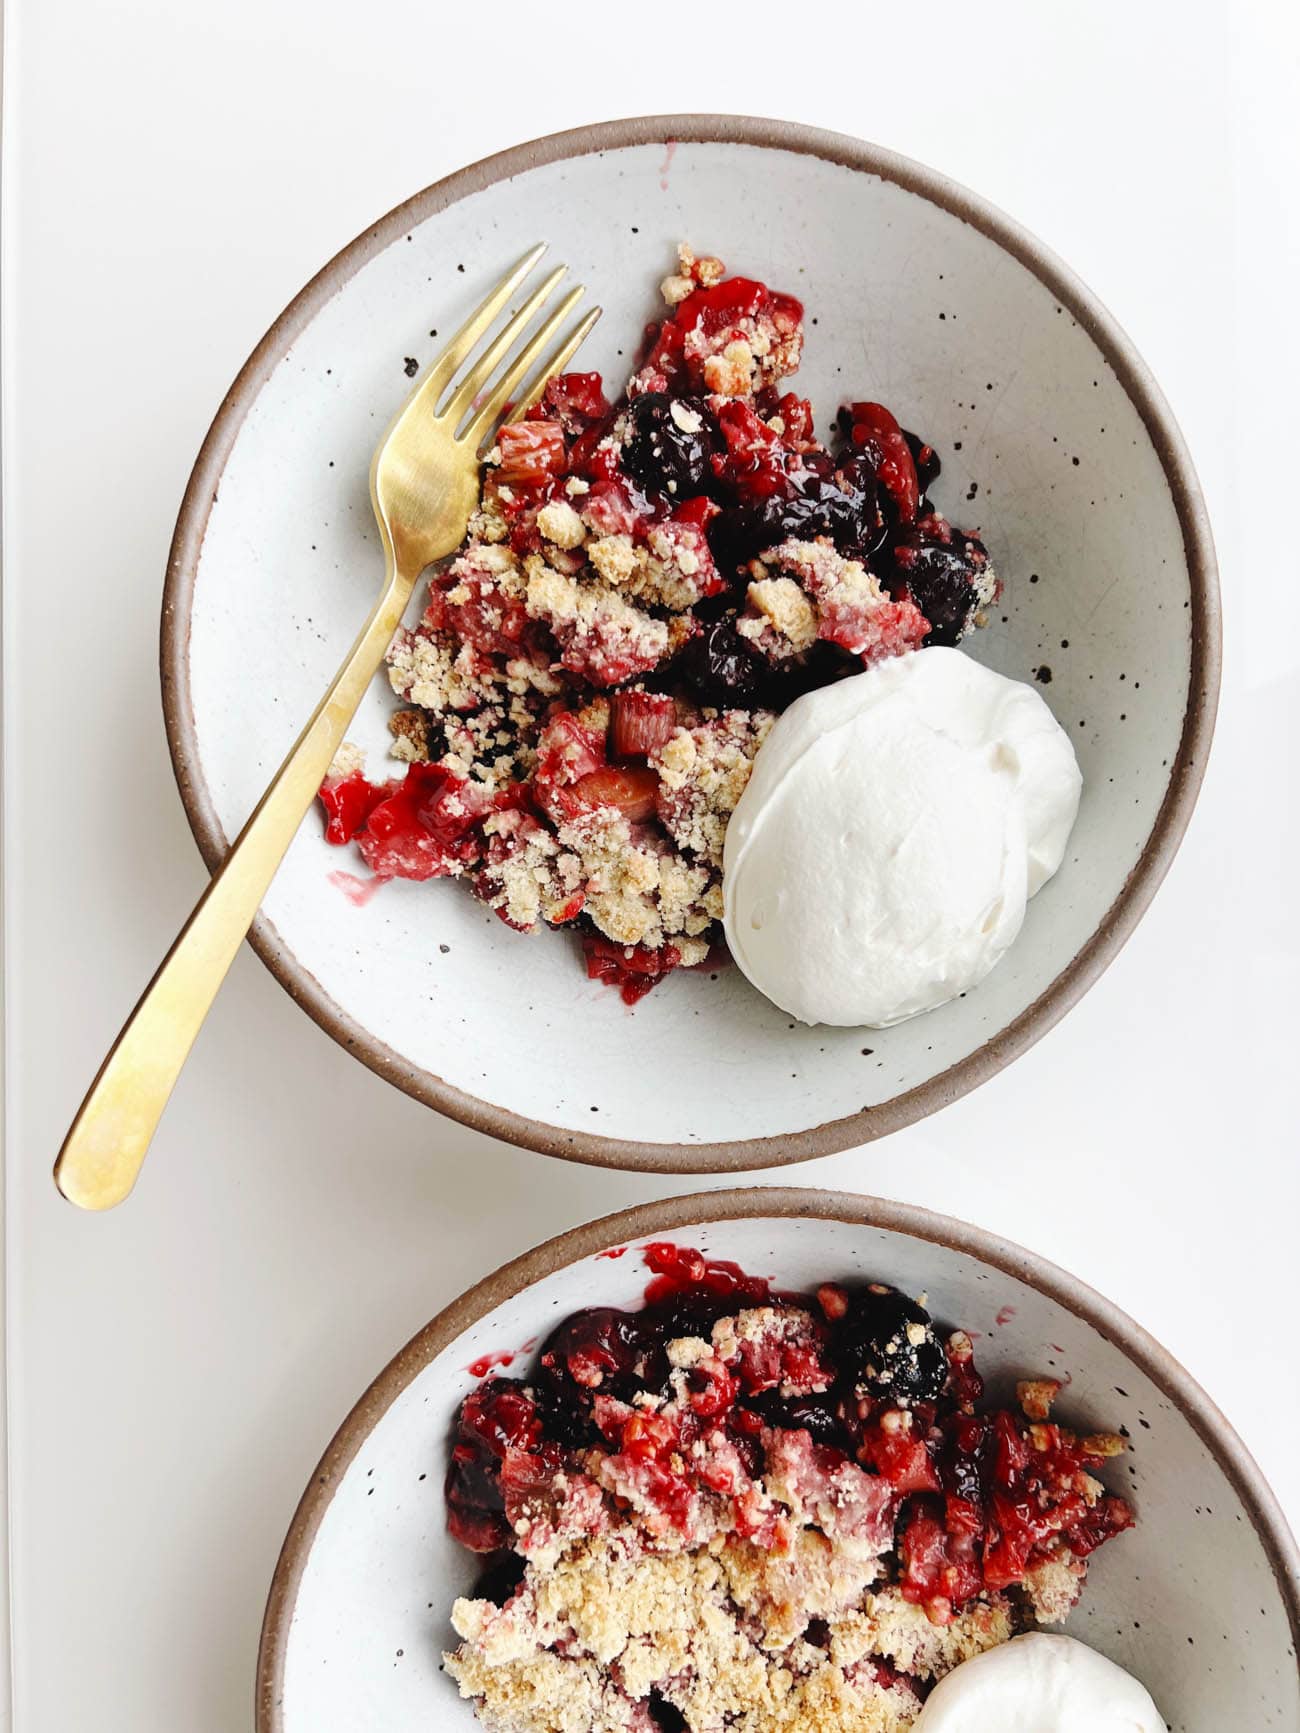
(862, 525)
(874, 431)
(665, 1717)
(818, 1415)
(692, 1312)
(500, 1580)
(815, 500)
(941, 575)
(669, 443)
(887, 1346)
(594, 1349)
(722, 669)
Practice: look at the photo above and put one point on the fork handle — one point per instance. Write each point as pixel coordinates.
(106, 1146)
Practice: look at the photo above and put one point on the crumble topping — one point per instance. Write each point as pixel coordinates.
(1053, 1586)
(778, 618)
(691, 274)
(560, 524)
(601, 636)
(437, 672)
(410, 732)
(672, 568)
(484, 711)
(846, 600)
(905, 1635)
(634, 890)
(638, 893)
(703, 772)
(349, 760)
(585, 1645)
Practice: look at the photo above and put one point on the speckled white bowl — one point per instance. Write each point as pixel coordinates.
(1201, 1599)
(1055, 442)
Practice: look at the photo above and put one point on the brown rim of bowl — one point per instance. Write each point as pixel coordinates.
(670, 1215)
(1141, 884)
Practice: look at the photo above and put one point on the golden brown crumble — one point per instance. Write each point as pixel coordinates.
(717, 1632)
(585, 615)
(435, 670)
(731, 372)
(703, 772)
(410, 732)
(904, 1634)
(1036, 1396)
(1053, 1586)
(691, 274)
(348, 760)
(484, 714)
(637, 893)
(1104, 1444)
(560, 524)
(779, 618)
(836, 587)
(615, 558)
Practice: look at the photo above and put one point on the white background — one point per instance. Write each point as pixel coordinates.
(173, 174)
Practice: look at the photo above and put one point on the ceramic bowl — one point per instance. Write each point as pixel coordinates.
(1201, 1599)
(1055, 441)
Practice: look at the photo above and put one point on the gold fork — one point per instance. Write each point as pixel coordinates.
(424, 483)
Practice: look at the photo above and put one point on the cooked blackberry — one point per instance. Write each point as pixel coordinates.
(722, 669)
(886, 1345)
(499, 1581)
(669, 444)
(817, 499)
(818, 1415)
(943, 577)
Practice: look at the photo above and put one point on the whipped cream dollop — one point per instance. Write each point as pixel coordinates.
(1039, 1684)
(879, 861)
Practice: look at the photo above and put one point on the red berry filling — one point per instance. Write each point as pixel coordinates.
(348, 801)
(849, 1403)
(633, 969)
(531, 452)
(427, 827)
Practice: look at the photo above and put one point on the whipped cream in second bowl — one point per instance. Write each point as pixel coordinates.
(1040, 1683)
(879, 862)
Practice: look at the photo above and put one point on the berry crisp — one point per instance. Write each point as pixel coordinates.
(644, 587)
(764, 1512)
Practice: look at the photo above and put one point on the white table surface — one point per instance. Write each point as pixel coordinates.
(173, 174)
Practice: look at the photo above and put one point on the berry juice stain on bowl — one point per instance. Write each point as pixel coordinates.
(358, 891)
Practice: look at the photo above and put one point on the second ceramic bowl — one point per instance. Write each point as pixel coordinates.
(1201, 1599)
(1055, 442)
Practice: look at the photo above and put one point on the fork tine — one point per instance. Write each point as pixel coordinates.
(499, 392)
(553, 364)
(444, 369)
(480, 372)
